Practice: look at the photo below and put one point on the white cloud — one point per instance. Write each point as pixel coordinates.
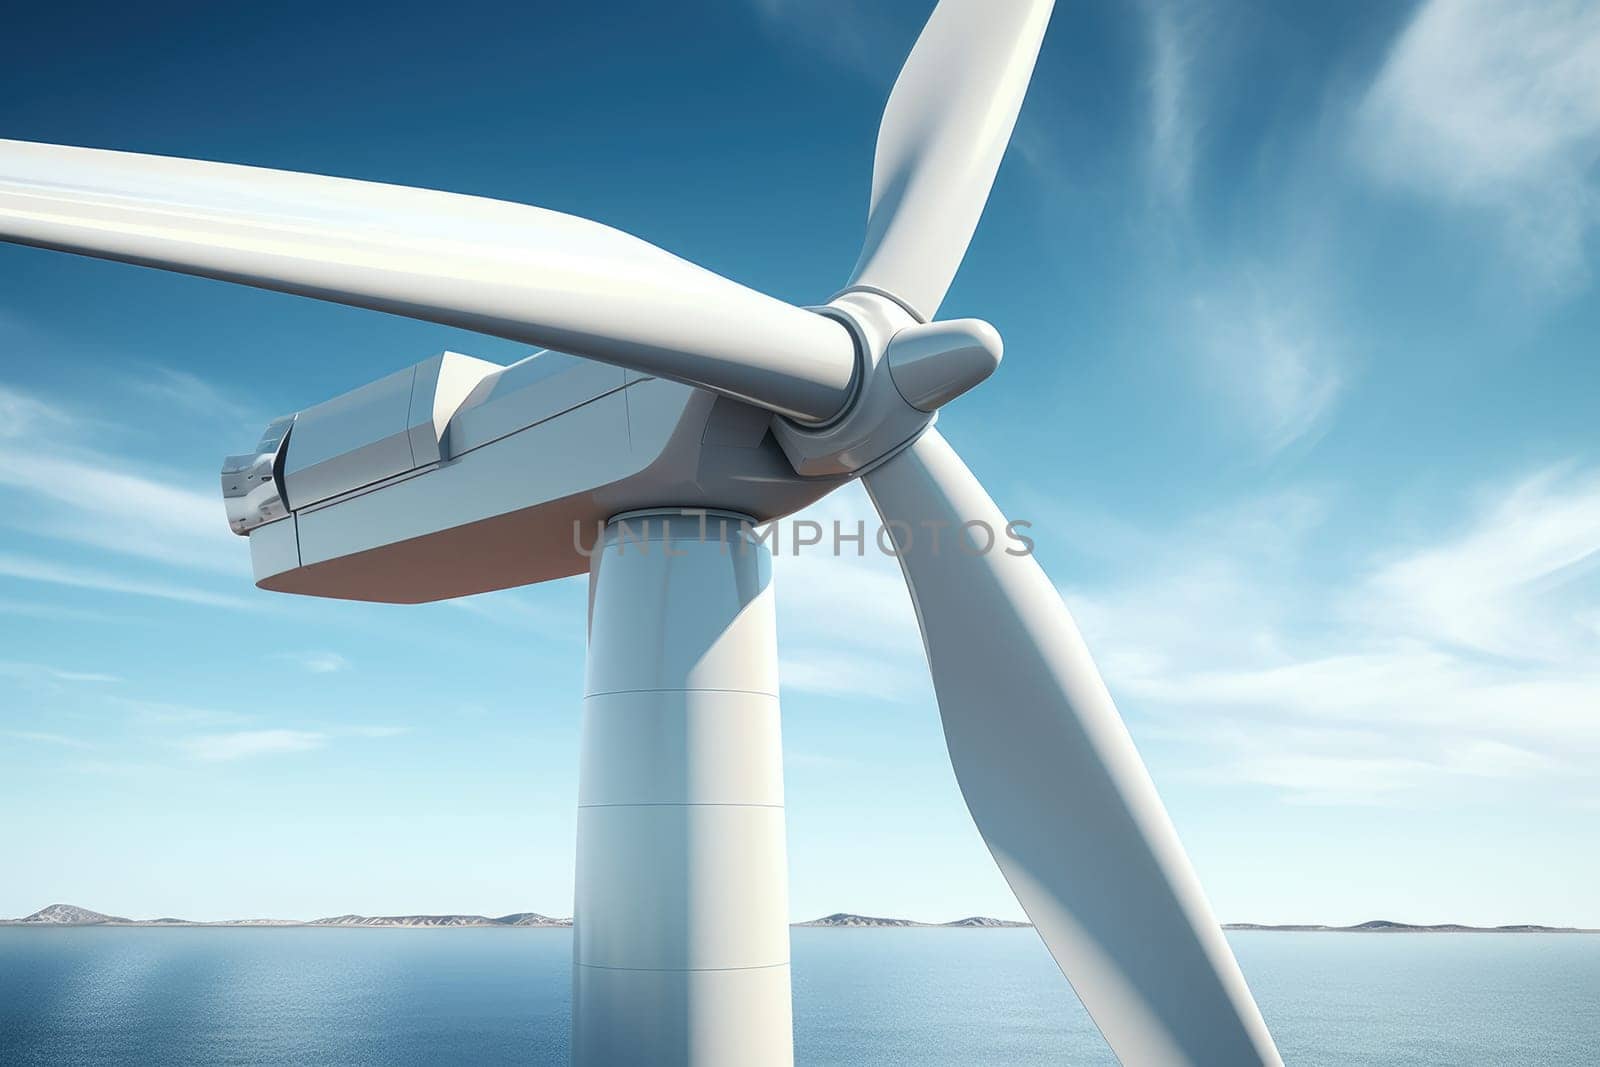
(845, 622)
(1172, 29)
(23, 415)
(1498, 587)
(57, 479)
(37, 610)
(837, 672)
(374, 731)
(163, 713)
(551, 609)
(39, 737)
(174, 388)
(245, 744)
(1495, 105)
(1398, 685)
(1264, 347)
(1464, 659)
(96, 502)
(318, 662)
(848, 33)
(1335, 778)
(248, 744)
(37, 570)
(13, 669)
(1253, 312)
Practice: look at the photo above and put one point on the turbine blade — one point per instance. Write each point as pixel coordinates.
(1055, 784)
(499, 268)
(944, 131)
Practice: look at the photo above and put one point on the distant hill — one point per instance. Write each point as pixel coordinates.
(530, 918)
(66, 915)
(71, 915)
(1388, 926)
(521, 918)
(843, 919)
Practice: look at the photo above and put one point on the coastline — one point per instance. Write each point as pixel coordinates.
(68, 916)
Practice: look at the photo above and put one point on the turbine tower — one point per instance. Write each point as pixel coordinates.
(689, 410)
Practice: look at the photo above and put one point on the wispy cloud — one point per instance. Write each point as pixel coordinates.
(126, 770)
(1404, 722)
(38, 610)
(1262, 343)
(1495, 105)
(1252, 311)
(37, 570)
(248, 744)
(24, 415)
(1349, 768)
(1499, 586)
(840, 672)
(61, 740)
(53, 481)
(373, 731)
(847, 622)
(1172, 28)
(165, 713)
(321, 662)
(96, 502)
(820, 761)
(1464, 658)
(547, 610)
(179, 389)
(14, 669)
(848, 33)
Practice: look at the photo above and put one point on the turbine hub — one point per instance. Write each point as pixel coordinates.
(905, 371)
(933, 363)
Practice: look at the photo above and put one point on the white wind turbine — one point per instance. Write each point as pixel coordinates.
(698, 408)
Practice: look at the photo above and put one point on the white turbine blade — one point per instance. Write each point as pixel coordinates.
(500, 268)
(1055, 784)
(944, 130)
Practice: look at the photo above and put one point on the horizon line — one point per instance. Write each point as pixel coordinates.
(69, 915)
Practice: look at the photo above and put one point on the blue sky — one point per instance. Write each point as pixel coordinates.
(1302, 362)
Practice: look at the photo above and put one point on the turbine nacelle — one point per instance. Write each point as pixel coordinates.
(458, 476)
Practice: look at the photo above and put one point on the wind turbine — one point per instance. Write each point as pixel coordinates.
(691, 410)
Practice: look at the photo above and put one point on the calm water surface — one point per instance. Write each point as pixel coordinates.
(927, 997)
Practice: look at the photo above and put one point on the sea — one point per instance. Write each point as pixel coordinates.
(947, 998)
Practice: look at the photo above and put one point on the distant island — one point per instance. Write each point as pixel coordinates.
(1386, 926)
(72, 915)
